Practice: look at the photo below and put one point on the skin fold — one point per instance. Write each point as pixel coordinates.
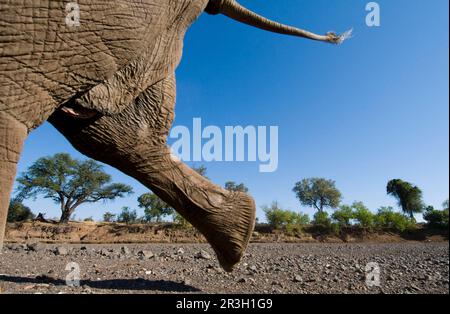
(108, 85)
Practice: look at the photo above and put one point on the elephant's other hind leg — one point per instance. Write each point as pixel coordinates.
(12, 136)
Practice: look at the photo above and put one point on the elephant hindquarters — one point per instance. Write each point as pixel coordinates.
(134, 141)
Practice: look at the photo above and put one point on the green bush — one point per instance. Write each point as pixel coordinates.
(323, 223)
(436, 218)
(127, 216)
(343, 216)
(387, 218)
(109, 217)
(286, 220)
(363, 216)
(180, 221)
(19, 212)
(322, 219)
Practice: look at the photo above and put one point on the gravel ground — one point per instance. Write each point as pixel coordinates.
(192, 268)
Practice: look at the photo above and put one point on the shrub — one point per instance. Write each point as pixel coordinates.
(343, 216)
(322, 218)
(180, 221)
(323, 223)
(436, 218)
(88, 219)
(296, 222)
(19, 212)
(109, 217)
(387, 218)
(127, 216)
(363, 216)
(286, 220)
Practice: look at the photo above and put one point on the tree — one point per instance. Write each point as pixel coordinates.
(69, 182)
(445, 205)
(154, 207)
(318, 193)
(19, 212)
(437, 218)
(234, 187)
(127, 216)
(201, 170)
(109, 217)
(409, 196)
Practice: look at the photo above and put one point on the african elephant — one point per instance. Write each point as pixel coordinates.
(108, 85)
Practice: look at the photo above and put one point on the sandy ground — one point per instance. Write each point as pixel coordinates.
(413, 267)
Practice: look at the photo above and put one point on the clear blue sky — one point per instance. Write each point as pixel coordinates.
(373, 109)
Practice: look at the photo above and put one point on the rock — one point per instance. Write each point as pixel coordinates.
(203, 255)
(180, 251)
(33, 247)
(166, 255)
(145, 254)
(297, 278)
(186, 282)
(61, 251)
(253, 268)
(104, 252)
(125, 251)
(414, 287)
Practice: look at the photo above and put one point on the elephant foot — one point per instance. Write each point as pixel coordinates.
(229, 230)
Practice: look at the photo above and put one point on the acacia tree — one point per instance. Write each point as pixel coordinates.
(154, 207)
(234, 187)
(318, 193)
(69, 182)
(409, 196)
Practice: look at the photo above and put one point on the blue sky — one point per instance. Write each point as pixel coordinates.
(373, 109)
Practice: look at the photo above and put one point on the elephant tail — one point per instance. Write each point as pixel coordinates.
(235, 11)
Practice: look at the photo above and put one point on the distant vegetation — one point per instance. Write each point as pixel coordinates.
(19, 212)
(71, 183)
(322, 194)
(127, 216)
(285, 220)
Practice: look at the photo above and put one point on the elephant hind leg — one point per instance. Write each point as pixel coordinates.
(12, 136)
(134, 142)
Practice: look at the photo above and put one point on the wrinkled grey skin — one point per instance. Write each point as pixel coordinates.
(108, 85)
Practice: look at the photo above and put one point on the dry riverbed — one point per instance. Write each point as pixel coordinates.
(412, 267)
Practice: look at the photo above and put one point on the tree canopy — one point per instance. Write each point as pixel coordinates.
(234, 187)
(69, 182)
(409, 196)
(154, 207)
(318, 193)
